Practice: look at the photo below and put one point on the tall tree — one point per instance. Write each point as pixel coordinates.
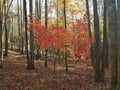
(38, 14)
(19, 27)
(97, 43)
(112, 38)
(88, 17)
(5, 26)
(65, 25)
(92, 51)
(118, 18)
(105, 44)
(6, 5)
(31, 62)
(26, 33)
(1, 18)
(46, 24)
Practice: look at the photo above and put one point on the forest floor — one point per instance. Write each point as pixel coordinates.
(15, 76)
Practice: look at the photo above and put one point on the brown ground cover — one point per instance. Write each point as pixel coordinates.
(15, 76)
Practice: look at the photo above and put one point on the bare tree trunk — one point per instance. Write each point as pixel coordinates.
(19, 33)
(92, 52)
(65, 25)
(38, 14)
(26, 33)
(88, 18)
(118, 18)
(1, 42)
(39, 10)
(22, 34)
(97, 43)
(32, 66)
(6, 11)
(6, 31)
(12, 39)
(1, 20)
(112, 38)
(104, 46)
(46, 24)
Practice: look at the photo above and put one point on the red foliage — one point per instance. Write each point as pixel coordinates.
(82, 40)
(59, 37)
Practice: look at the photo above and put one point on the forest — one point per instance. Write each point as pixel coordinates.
(59, 44)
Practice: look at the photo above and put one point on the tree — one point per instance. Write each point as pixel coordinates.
(88, 17)
(112, 40)
(31, 62)
(22, 33)
(5, 25)
(65, 26)
(105, 44)
(26, 33)
(97, 44)
(46, 25)
(118, 18)
(6, 12)
(19, 31)
(38, 14)
(1, 19)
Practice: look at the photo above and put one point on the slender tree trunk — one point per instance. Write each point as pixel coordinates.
(38, 14)
(46, 24)
(19, 33)
(1, 19)
(1, 53)
(32, 66)
(88, 18)
(6, 31)
(22, 34)
(57, 13)
(105, 45)
(65, 25)
(36, 7)
(12, 37)
(97, 43)
(39, 10)
(1, 42)
(26, 33)
(6, 37)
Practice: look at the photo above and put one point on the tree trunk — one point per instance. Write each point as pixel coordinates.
(6, 37)
(39, 10)
(46, 24)
(1, 19)
(65, 25)
(118, 18)
(88, 18)
(19, 33)
(38, 14)
(92, 52)
(112, 38)
(22, 34)
(6, 31)
(12, 39)
(97, 43)
(32, 66)
(26, 33)
(104, 46)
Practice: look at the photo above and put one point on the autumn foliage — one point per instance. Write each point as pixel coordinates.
(77, 42)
